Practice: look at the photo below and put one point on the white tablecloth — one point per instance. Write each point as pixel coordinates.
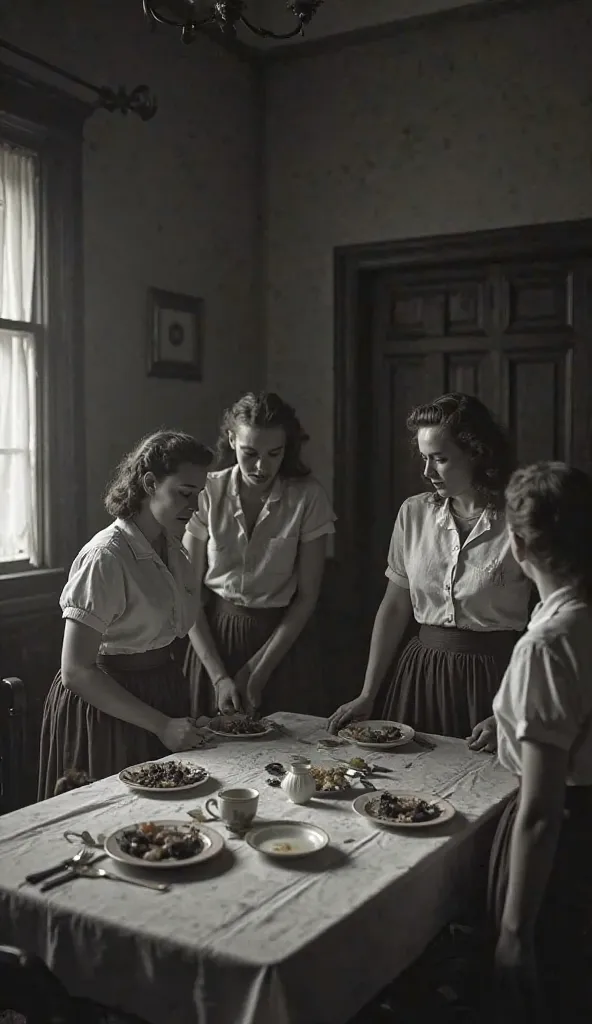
(247, 940)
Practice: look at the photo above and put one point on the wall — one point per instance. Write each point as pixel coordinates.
(457, 128)
(171, 203)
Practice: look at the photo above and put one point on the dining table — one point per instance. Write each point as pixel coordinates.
(245, 938)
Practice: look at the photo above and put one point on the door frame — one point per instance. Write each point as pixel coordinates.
(354, 267)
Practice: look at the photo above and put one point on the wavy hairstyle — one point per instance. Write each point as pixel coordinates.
(473, 429)
(549, 506)
(265, 411)
(162, 454)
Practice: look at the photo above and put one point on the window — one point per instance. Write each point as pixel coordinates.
(19, 220)
(42, 478)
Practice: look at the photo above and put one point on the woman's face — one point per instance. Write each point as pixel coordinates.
(173, 500)
(259, 453)
(447, 468)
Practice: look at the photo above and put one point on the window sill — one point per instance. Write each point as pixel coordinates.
(33, 590)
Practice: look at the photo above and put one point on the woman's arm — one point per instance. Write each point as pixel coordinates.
(310, 568)
(81, 674)
(535, 836)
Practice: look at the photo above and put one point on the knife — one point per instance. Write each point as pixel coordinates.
(69, 874)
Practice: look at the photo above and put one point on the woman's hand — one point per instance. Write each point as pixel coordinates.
(228, 698)
(484, 736)
(180, 734)
(517, 987)
(251, 682)
(359, 708)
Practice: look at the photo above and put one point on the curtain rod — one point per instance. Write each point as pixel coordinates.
(139, 100)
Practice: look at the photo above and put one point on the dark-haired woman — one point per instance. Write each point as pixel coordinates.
(540, 885)
(450, 566)
(257, 544)
(119, 698)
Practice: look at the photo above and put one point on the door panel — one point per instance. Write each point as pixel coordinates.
(539, 403)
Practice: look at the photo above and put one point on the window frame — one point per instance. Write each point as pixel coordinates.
(50, 123)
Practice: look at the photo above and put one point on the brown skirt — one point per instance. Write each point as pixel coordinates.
(563, 941)
(446, 679)
(238, 634)
(75, 735)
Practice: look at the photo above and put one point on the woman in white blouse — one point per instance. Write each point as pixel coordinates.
(540, 884)
(119, 698)
(258, 544)
(451, 567)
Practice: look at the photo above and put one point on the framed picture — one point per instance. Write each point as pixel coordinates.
(175, 335)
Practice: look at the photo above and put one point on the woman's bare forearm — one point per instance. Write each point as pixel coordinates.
(100, 690)
(389, 626)
(204, 646)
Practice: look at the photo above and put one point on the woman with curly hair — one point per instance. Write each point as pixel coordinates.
(257, 543)
(119, 697)
(449, 566)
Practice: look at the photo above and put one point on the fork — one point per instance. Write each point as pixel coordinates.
(92, 872)
(84, 856)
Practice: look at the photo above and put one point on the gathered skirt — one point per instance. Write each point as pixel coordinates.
(238, 633)
(563, 940)
(446, 679)
(75, 735)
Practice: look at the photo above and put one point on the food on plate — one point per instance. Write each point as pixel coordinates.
(153, 842)
(407, 810)
(359, 764)
(240, 725)
(165, 774)
(370, 734)
(330, 780)
(282, 848)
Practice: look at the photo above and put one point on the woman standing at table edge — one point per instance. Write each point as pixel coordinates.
(258, 545)
(450, 565)
(119, 698)
(540, 881)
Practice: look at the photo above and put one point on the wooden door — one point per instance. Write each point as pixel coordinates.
(512, 334)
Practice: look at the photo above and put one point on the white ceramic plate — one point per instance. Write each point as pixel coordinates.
(286, 839)
(126, 776)
(360, 806)
(213, 844)
(215, 729)
(407, 734)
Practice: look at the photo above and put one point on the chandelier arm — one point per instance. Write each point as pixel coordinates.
(266, 33)
(152, 14)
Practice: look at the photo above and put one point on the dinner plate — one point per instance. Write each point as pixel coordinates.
(216, 731)
(287, 839)
(333, 792)
(407, 734)
(212, 840)
(125, 777)
(447, 811)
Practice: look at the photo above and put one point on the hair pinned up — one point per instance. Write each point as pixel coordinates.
(162, 454)
(474, 430)
(265, 411)
(549, 506)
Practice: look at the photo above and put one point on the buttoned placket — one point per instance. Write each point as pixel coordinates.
(446, 520)
(245, 540)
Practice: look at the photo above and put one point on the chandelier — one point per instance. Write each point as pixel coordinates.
(227, 17)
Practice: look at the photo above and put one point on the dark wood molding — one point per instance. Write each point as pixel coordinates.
(51, 123)
(354, 268)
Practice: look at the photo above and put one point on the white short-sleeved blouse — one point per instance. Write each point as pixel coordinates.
(546, 693)
(472, 585)
(120, 587)
(260, 571)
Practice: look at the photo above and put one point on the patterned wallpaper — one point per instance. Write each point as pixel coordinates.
(462, 128)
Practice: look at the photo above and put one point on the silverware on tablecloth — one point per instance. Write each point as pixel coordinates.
(70, 873)
(84, 856)
(86, 838)
(92, 872)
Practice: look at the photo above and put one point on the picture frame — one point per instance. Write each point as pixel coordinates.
(175, 335)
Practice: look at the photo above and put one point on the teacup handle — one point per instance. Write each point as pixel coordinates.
(212, 802)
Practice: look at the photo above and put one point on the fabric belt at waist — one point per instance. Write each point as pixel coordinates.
(222, 607)
(468, 641)
(136, 662)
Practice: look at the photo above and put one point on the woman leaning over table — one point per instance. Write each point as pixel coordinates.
(540, 884)
(120, 698)
(257, 543)
(450, 566)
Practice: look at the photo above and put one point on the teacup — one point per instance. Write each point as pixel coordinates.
(235, 807)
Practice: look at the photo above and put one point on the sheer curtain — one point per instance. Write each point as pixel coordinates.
(19, 533)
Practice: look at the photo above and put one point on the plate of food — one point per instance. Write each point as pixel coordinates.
(240, 727)
(377, 735)
(164, 776)
(163, 844)
(401, 809)
(331, 779)
(287, 839)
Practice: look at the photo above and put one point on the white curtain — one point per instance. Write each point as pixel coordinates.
(19, 527)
